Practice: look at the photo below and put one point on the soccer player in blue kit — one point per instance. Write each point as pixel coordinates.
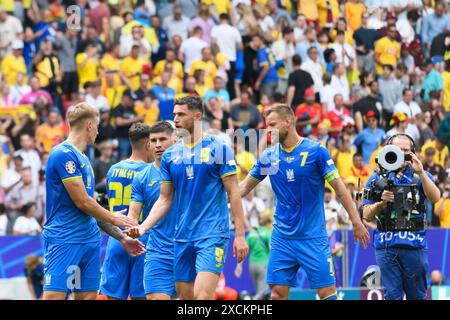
(159, 281)
(298, 168)
(71, 234)
(123, 274)
(197, 173)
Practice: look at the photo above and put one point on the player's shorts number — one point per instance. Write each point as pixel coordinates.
(330, 261)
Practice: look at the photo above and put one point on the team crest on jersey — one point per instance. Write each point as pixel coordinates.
(290, 175)
(190, 172)
(289, 159)
(70, 167)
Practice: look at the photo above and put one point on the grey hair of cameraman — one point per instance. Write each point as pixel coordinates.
(430, 189)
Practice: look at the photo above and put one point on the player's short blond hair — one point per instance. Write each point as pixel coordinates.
(80, 112)
(283, 110)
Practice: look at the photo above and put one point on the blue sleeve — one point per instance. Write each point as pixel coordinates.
(440, 82)
(67, 165)
(358, 139)
(136, 189)
(164, 168)
(425, 30)
(263, 58)
(227, 163)
(264, 166)
(371, 179)
(326, 165)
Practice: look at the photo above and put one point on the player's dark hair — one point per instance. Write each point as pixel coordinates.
(193, 103)
(162, 126)
(296, 60)
(327, 190)
(138, 133)
(357, 154)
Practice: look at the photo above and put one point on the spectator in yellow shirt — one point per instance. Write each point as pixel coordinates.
(353, 13)
(309, 9)
(110, 90)
(177, 66)
(219, 6)
(175, 83)
(132, 67)
(148, 108)
(446, 78)
(441, 156)
(14, 63)
(328, 12)
(111, 61)
(387, 50)
(206, 64)
(200, 86)
(87, 65)
(442, 208)
(50, 133)
(358, 170)
(343, 157)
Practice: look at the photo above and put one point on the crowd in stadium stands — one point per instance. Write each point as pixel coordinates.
(354, 72)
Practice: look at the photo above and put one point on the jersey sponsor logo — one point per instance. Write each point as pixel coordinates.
(276, 162)
(290, 175)
(66, 150)
(70, 167)
(82, 165)
(152, 183)
(190, 172)
(289, 159)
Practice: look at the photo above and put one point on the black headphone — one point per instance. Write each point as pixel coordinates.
(413, 143)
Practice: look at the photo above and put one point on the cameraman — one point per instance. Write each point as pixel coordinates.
(402, 256)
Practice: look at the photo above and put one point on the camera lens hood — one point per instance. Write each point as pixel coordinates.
(391, 158)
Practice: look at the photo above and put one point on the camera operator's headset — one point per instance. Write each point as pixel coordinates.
(413, 143)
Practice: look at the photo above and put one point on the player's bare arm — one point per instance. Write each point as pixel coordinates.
(159, 210)
(247, 185)
(240, 247)
(77, 192)
(359, 230)
(134, 211)
(133, 246)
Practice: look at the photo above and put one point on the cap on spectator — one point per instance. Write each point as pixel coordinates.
(430, 151)
(398, 117)
(370, 114)
(436, 59)
(348, 122)
(17, 44)
(146, 68)
(309, 92)
(391, 16)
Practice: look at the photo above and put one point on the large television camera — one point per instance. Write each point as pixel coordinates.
(407, 212)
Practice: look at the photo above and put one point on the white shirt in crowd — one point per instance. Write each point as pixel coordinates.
(31, 159)
(410, 110)
(9, 29)
(17, 92)
(341, 86)
(192, 50)
(3, 224)
(259, 206)
(227, 38)
(27, 225)
(411, 130)
(100, 102)
(176, 27)
(349, 53)
(316, 72)
(127, 42)
(327, 94)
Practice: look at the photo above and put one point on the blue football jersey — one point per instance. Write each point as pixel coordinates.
(145, 190)
(401, 238)
(298, 180)
(118, 183)
(196, 173)
(65, 223)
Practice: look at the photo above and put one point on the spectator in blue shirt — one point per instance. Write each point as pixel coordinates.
(370, 138)
(435, 23)
(432, 80)
(267, 81)
(162, 38)
(165, 96)
(310, 41)
(220, 93)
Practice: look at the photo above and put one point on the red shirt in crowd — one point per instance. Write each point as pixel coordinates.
(336, 118)
(307, 112)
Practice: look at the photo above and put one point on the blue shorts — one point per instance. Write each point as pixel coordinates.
(71, 267)
(288, 255)
(123, 275)
(403, 272)
(158, 274)
(199, 256)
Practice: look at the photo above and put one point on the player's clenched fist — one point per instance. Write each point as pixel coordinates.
(240, 249)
